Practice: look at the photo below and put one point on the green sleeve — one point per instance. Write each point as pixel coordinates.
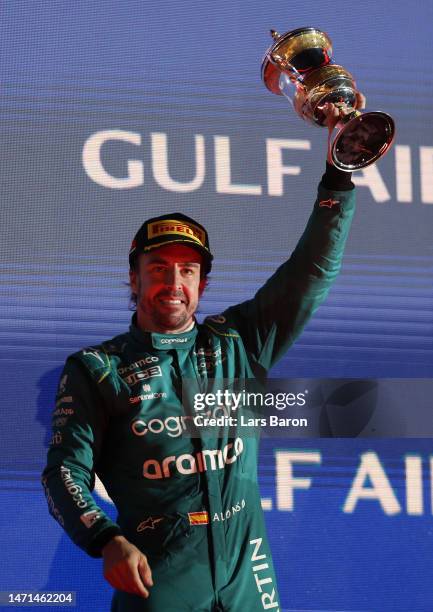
(271, 321)
(78, 424)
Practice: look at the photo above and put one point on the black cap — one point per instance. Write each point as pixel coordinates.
(170, 229)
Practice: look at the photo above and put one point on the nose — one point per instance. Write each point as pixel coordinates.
(173, 277)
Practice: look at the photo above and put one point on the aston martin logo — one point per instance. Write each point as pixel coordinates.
(149, 523)
(328, 203)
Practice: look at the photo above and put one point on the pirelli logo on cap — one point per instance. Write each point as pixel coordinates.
(198, 518)
(157, 229)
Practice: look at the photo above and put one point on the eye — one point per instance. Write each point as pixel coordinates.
(156, 269)
(188, 271)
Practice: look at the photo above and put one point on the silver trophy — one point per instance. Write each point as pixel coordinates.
(298, 65)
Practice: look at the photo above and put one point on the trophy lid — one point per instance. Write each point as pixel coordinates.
(300, 51)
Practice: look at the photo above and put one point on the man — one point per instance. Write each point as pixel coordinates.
(190, 533)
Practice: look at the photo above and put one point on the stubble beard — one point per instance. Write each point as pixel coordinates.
(155, 319)
(171, 321)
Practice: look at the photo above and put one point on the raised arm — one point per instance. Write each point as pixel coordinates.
(270, 322)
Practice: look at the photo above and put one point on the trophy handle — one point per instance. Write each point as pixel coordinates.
(290, 71)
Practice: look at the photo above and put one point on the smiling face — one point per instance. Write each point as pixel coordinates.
(168, 284)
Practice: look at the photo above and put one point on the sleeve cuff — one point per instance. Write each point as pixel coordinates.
(98, 543)
(337, 180)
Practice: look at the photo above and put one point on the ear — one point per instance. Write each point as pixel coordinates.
(202, 286)
(133, 280)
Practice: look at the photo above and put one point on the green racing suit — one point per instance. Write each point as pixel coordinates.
(192, 505)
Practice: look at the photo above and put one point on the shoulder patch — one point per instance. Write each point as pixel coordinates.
(93, 353)
(97, 360)
(216, 319)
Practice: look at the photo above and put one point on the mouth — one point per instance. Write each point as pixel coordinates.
(171, 302)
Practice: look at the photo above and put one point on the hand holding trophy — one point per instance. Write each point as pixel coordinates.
(298, 65)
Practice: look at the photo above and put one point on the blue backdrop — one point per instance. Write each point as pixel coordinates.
(114, 112)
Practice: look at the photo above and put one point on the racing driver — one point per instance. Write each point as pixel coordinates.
(170, 550)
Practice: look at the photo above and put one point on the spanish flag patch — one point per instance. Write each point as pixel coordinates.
(198, 518)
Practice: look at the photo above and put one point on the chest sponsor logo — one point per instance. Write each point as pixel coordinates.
(138, 377)
(173, 340)
(149, 523)
(263, 577)
(148, 396)
(174, 426)
(141, 363)
(208, 359)
(208, 459)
